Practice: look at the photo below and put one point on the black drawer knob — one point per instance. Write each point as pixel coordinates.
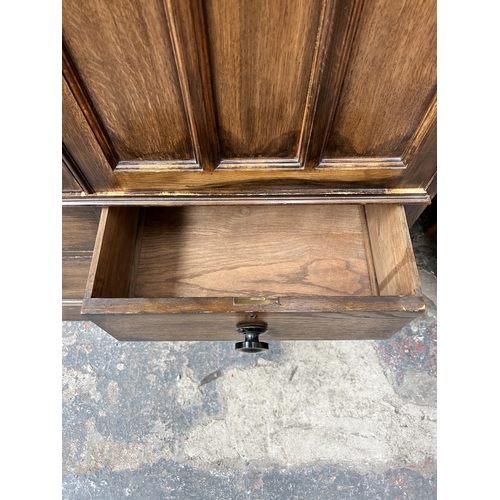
(251, 342)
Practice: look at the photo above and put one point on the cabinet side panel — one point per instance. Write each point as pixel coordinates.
(79, 229)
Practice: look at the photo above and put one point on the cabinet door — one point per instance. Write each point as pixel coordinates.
(274, 97)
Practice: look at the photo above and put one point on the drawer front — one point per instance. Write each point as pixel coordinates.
(306, 272)
(280, 326)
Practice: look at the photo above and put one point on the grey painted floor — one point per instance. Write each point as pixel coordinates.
(306, 420)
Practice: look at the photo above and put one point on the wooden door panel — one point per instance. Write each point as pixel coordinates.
(205, 98)
(261, 53)
(81, 145)
(390, 80)
(123, 55)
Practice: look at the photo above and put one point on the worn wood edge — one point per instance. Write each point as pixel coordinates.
(257, 164)
(71, 310)
(327, 77)
(361, 164)
(425, 124)
(84, 102)
(261, 164)
(406, 197)
(413, 212)
(203, 305)
(158, 166)
(192, 59)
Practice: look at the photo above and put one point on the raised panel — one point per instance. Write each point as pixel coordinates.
(390, 80)
(69, 183)
(122, 52)
(261, 53)
(80, 146)
(273, 100)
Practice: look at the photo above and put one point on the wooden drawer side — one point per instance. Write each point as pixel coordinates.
(394, 262)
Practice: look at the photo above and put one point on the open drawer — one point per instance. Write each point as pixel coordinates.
(305, 272)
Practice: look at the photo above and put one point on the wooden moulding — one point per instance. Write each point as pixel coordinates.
(288, 196)
(193, 272)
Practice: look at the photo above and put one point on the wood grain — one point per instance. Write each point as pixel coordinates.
(79, 229)
(123, 55)
(422, 152)
(252, 251)
(187, 31)
(288, 326)
(393, 306)
(81, 144)
(261, 54)
(113, 257)
(339, 21)
(425, 127)
(262, 181)
(69, 183)
(76, 172)
(413, 212)
(75, 271)
(268, 97)
(369, 254)
(392, 251)
(82, 98)
(296, 196)
(390, 80)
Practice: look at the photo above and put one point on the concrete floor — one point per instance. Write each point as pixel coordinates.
(306, 420)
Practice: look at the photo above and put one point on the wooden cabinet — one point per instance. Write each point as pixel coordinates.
(315, 119)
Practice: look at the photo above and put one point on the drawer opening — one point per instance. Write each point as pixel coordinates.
(327, 251)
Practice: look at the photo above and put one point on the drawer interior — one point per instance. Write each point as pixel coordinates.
(252, 252)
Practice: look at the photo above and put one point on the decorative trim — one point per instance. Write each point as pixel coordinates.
(423, 128)
(400, 196)
(75, 171)
(157, 166)
(189, 42)
(258, 164)
(338, 26)
(85, 104)
(361, 164)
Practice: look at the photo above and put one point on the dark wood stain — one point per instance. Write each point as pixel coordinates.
(390, 78)
(237, 86)
(123, 55)
(260, 55)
